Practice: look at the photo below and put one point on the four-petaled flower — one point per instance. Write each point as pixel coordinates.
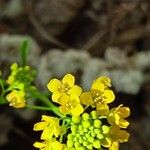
(50, 127)
(117, 136)
(16, 98)
(51, 144)
(71, 105)
(99, 95)
(117, 116)
(62, 88)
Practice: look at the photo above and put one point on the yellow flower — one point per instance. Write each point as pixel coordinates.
(71, 105)
(99, 95)
(50, 127)
(114, 137)
(63, 88)
(16, 98)
(104, 80)
(51, 144)
(117, 136)
(117, 116)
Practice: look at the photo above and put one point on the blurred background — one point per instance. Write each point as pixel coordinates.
(87, 38)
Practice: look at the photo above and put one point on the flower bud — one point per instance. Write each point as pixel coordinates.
(85, 116)
(105, 129)
(97, 144)
(76, 119)
(70, 143)
(97, 123)
(86, 124)
(93, 114)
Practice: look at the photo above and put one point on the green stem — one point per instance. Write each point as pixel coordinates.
(2, 86)
(57, 112)
(38, 107)
(47, 102)
(86, 107)
(41, 97)
(61, 137)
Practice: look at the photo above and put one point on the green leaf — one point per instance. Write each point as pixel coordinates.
(24, 52)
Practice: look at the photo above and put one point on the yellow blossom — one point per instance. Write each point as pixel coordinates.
(99, 96)
(114, 137)
(49, 125)
(117, 116)
(71, 105)
(16, 98)
(63, 88)
(117, 136)
(104, 80)
(51, 144)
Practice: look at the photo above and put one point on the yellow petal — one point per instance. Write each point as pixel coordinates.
(39, 145)
(74, 99)
(114, 146)
(113, 118)
(68, 79)
(75, 90)
(56, 130)
(39, 126)
(47, 133)
(54, 85)
(108, 96)
(77, 110)
(98, 86)
(105, 80)
(55, 96)
(64, 99)
(64, 110)
(102, 109)
(123, 136)
(124, 112)
(123, 123)
(57, 146)
(46, 118)
(86, 98)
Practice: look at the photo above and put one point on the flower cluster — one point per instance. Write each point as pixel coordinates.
(88, 122)
(19, 81)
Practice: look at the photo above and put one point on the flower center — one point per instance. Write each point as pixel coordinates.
(64, 88)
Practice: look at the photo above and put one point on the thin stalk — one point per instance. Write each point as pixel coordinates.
(2, 87)
(47, 102)
(61, 137)
(38, 107)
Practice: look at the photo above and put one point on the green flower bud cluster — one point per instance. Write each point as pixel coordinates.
(87, 132)
(20, 82)
(23, 75)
